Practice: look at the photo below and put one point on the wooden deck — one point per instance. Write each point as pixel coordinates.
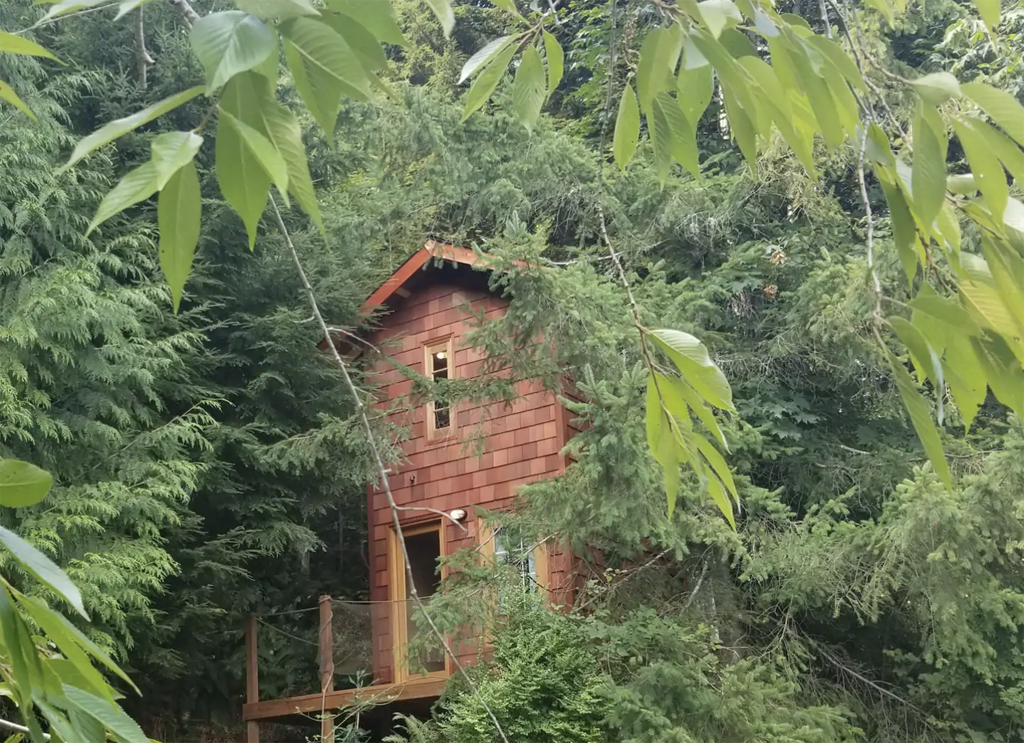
(414, 689)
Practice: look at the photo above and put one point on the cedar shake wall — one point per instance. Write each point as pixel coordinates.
(495, 448)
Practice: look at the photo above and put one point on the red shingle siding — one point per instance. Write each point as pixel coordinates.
(496, 448)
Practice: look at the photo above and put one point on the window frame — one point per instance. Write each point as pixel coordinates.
(397, 589)
(487, 539)
(447, 345)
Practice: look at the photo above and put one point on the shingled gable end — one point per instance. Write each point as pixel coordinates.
(456, 458)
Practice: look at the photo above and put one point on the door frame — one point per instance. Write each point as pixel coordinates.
(399, 604)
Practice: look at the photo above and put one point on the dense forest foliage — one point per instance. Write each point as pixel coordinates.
(208, 463)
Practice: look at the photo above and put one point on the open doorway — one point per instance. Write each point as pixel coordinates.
(424, 546)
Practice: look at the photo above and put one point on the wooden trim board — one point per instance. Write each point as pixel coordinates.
(420, 688)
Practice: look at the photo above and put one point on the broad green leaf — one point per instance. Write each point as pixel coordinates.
(250, 99)
(704, 414)
(904, 234)
(717, 462)
(627, 128)
(847, 108)
(1009, 154)
(691, 358)
(671, 475)
(656, 70)
(13, 44)
(776, 100)
(742, 129)
(443, 10)
(965, 376)
(127, 6)
(661, 139)
(43, 569)
(818, 94)
(482, 55)
(928, 177)
(7, 94)
(654, 415)
(556, 61)
(280, 10)
(721, 500)
(266, 154)
(684, 138)
(378, 16)
(483, 87)
(179, 211)
(123, 728)
(946, 310)
(1001, 107)
(323, 68)
(360, 40)
(838, 57)
(989, 12)
(886, 8)
(985, 167)
(694, 90)
(16, 649)
(964, 184)
(1002, 370)
(137, 185)
(1007, 268)
(230, 42)
(56, 632)
(66, 6)
(764, 24)
(920, 417)
(109, 132)
(22, 484)
(171, 151)
(719, 15)
(529, 89)
(922, 353)
(937, 88)
(985, 303)
(243, 181)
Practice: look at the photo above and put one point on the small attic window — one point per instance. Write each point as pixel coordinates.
(439, 364)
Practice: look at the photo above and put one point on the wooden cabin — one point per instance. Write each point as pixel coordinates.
(456, 458)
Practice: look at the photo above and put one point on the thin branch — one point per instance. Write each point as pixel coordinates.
(434, 511)
(19, 728)
(696, 588)
(142, 58)
(824, 19)
(876, 284)
(381, 467)
(185, 9)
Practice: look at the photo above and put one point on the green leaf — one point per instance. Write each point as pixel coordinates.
(684, 138)
(963, 184)
(378, 16)
(179, 212)
(1002, 370)
(946, 310)
(985, 167)
(717, 462)
(250, 99)
(556, 61)
(529, 89)
(923, 355)
(965, 376)
(475, 63)
(989, 12)
(443, 10)
(835, 54)
(1001, 107)
(661, 139)
(17, 649)
(362, 42)
(121, 726)
(937, 88)
(654, 413)
(55, 631)
(127, 6)
(7, 94)
(230, 42)
(904, 234)
(171, 152)
(694, 90)
(279, 10)
(66, 6)
(928, 179)
(656, 70)
(721, 500)
(704, 414)
(627, 128)
(12, 44)
(323, 68)
(742, 129)
(109, 132)
(1011, 156)
(483, 87)
(137, 185)
(886, 8)
(22, 484)
(243, 181)
(691, 358)
(920, 417)
(43, 568)
(266, 154)
(719, 15)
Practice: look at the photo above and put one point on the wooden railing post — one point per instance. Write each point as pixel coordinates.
(326, 664)
(252, 677)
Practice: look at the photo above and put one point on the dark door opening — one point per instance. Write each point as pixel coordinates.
(424, 549)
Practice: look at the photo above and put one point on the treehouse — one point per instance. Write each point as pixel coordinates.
(458, 456)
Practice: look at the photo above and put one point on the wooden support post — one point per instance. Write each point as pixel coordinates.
(252, 677)
(326, 664)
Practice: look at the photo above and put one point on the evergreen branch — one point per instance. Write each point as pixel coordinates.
(381, 467)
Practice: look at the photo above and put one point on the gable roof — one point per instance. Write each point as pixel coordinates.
(396, 281)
